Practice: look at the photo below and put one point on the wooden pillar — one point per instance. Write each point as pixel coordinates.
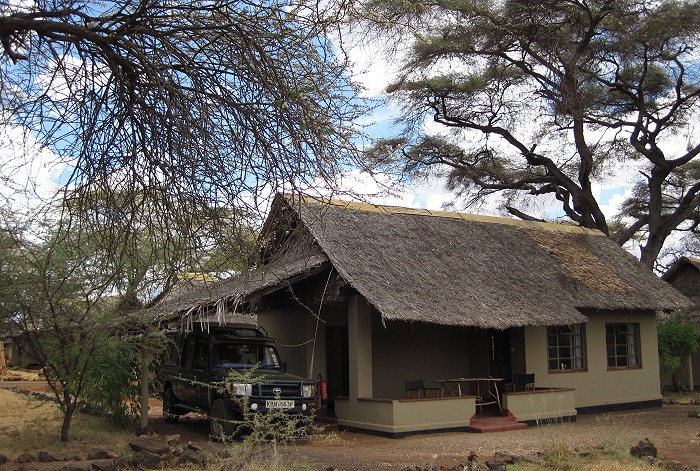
(144, 387)
(360, 347)
(690, 373)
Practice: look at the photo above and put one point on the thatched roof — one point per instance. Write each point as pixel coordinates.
(459, 269)
(451, 268)
(683, 263)
(684, 275)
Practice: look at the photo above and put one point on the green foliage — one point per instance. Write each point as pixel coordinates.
(557, 94)
(56, 296)
(678, 339)
(113, 380)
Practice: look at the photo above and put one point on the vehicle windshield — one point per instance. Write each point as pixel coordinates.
(243, 355)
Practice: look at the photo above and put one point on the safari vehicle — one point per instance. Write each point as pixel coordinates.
(196, 366)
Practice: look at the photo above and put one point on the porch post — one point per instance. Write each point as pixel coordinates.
(359, 347)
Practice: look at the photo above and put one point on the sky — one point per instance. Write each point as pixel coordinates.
(375, 73)
(369, 68)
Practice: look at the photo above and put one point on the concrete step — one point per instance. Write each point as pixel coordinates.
(485, 424)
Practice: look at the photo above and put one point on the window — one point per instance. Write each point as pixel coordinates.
(622, 342)
(566, 347)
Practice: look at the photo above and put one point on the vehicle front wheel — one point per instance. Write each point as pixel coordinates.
(169, 400)
(222, 421)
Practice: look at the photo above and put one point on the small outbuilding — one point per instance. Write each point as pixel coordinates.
(370, 297)
(684, 276)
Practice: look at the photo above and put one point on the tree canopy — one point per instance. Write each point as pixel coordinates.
(168, 112)
(540, 99)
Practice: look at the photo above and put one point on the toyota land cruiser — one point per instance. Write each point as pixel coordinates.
(195, 377)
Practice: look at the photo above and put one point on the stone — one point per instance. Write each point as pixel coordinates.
(177, 450)
(103, 465)
(26, 458)
(122, 462)
(45, 457)
(173, 440)
(3, 459)
(644, 448)
(147, 459)
(496, 466)
(99, 454)
(503, 457)
(193, 446)
(190, 456)
(152, 443)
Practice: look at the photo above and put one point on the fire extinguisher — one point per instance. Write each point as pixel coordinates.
(323, 387)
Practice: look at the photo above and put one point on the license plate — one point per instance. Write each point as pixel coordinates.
(278, 404)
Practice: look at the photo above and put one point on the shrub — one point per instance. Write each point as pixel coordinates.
(678, 339)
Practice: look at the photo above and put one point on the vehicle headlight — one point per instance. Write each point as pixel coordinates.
(308, 390)
(240, 389)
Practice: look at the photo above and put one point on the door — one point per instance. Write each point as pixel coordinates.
(191, 388)
(337, 364)
(500, 354)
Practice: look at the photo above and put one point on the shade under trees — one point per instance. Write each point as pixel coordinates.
(540, 99)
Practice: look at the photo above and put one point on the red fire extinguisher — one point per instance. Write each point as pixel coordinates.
(323, 387)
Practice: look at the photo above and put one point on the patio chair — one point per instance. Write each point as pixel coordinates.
(521, 382)
(415, 388)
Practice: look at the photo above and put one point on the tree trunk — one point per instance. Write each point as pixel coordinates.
(3, 365)
(67, 417)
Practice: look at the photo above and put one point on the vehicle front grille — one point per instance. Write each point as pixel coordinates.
(286, 390)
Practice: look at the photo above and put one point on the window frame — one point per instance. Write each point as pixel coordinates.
(577, 360)
(633, 332)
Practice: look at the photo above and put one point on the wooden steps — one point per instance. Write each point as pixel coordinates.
(494, 423)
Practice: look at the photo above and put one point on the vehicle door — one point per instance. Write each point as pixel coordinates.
(194, 379)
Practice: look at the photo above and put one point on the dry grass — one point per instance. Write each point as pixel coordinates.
(18, 374)
(30, 425)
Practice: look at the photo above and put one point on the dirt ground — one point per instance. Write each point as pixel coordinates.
(671, 429)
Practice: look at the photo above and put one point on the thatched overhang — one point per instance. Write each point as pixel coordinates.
(465, 270)
(214, 302)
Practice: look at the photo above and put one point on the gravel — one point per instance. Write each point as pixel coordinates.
(670, 428)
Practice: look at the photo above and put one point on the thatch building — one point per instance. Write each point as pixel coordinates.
(369, 296)
(684, 276)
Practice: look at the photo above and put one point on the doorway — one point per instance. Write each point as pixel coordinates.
(337, 364)
(500, 354)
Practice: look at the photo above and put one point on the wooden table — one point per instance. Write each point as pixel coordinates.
(486, 389)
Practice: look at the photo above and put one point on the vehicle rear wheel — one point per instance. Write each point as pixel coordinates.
(169, 400)
(222, 421)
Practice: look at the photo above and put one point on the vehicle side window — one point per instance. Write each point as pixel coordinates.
(172, 354)
(188, 353)
(200, 356)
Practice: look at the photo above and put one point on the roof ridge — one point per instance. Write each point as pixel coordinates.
(389, 209)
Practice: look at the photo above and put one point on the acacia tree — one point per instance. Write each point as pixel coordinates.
(79, 307)
(50, 295)
(541, 98)
(187, 105)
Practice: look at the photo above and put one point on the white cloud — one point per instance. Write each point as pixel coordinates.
(29, 174)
